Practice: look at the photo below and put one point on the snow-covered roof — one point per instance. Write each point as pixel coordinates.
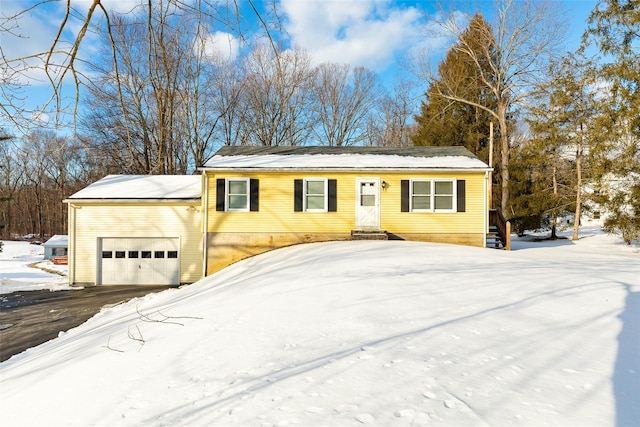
(156, 187)
(57, 240)
(304, 157)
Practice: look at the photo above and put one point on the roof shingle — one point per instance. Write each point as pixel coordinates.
(352, 157)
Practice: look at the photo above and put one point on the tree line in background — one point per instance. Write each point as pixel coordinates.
(161, 98)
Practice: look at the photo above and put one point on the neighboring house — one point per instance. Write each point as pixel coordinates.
(56, 246)
(249, 200)
(136, 229)
(257, 199)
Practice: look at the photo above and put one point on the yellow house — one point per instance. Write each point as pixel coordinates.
(136, 229)
(257, 199)
(132, 229)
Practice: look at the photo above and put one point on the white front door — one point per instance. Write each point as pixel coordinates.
(368, 203)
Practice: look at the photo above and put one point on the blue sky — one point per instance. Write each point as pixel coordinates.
(377, 34)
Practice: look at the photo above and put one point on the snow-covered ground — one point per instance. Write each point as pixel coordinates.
(17, 275)
(350, 333)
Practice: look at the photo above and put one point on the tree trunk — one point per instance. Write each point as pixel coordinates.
(554, 221)
(8, 226)
(576, 220)
(504, 158)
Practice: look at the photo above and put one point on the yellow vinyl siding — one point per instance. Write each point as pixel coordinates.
(470, 221)
(89, 222)
(276, 214)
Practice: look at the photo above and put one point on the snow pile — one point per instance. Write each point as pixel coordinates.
(143, 187)
(328, 161)
(350, 333)
(17, 275)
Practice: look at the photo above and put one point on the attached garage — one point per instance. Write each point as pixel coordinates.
(136, 230)
(139, 261)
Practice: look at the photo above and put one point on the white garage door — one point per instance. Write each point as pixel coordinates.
(139, 261)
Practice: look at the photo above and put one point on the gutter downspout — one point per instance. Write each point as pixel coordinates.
(487, 177)
(72, 229)
(205, 224)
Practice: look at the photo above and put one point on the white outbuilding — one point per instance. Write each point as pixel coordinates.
(56, 246)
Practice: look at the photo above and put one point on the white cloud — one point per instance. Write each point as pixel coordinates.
(41, 118)
(120, 6)
(364, 32)
(221, 46)
(427, 53)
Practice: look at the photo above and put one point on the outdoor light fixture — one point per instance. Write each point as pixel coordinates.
(384, 184)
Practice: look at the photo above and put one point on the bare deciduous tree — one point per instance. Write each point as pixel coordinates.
(226, 91)
(389, 123)
(510, 58)
(345, 98)
(45, 167)
(277, 97)
(156, 114)
(9, 182)
(63, 59)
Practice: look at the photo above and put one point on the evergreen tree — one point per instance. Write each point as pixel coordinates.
(562, 125)
(540, 182)
(443, 122)
(614, 28)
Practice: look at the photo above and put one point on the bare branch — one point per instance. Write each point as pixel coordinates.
(58, 62)
(164, 319)
(108, 346)
(139, 338)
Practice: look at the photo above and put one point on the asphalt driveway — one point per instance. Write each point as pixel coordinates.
(30, 318)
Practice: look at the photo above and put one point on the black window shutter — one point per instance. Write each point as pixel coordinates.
(220, 194)
(297, 195)
(404, 195)
(254, 199)
(461, 195)
(332, 204)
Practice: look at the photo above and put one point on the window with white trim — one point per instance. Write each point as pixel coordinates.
(421, 195)
(237, 194)
(433, 195)
(315, 195)
(444, 196)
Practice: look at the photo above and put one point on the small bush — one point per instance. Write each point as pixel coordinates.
(521, 224)
(628, 226)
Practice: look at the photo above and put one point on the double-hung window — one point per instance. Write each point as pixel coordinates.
(315, 195)
(432, 195)
(237, 194)
(421, 195)
(443, 196)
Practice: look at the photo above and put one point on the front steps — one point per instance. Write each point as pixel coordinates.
(493, 239)
(369, 235)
